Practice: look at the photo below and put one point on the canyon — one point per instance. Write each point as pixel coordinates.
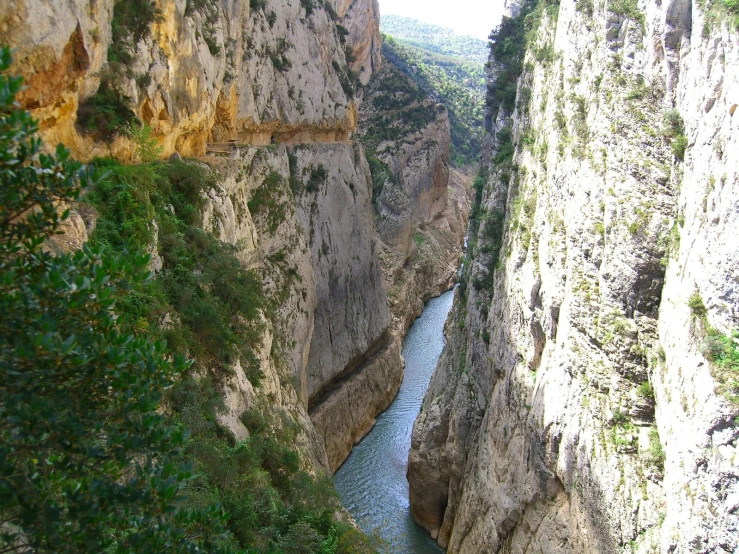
(586, 399)
(268, 96)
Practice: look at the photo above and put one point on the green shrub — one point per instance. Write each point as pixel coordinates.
(723, 353)
(619, 418)
(679, 145)
(674, 129)
(266, 201)
(645, 390)
(105, 114)
(505, 147)
(308, 5)
(381, 174)
(697, 308)
(148, 148)
(656, 454)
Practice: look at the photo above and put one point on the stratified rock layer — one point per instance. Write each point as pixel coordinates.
(205, 75)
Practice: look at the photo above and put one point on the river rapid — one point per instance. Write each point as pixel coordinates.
(372, 484)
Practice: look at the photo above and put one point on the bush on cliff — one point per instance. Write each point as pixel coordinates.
(84, 452)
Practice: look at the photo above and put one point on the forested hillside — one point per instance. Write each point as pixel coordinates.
(434, 38)
(455, 82)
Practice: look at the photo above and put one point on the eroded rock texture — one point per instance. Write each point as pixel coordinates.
(575, 408)
(208, 72)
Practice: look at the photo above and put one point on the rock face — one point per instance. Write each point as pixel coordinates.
(361, 18)
(421, 204)
(578, 406)
(210, 72)
(221, 80)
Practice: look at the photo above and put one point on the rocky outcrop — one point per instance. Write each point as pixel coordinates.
(422, 205)
(579, 406)
(207, 72)
(361, 20)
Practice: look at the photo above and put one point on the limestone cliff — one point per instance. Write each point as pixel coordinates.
(327, 350)
(421, 203)
(223, 78)
(586, 400)
(203, 71)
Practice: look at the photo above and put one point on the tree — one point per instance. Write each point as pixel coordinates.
(83, 450)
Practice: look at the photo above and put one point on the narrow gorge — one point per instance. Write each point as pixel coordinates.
(298, 187)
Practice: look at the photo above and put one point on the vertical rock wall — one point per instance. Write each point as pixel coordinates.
(574, 408)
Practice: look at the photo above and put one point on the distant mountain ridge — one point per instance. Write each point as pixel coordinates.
(434, 38)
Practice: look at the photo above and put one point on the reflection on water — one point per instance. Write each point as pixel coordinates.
(372, 483)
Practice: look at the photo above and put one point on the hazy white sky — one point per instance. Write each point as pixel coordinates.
(467, 17)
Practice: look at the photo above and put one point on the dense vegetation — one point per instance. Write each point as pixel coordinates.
(508, 45)
(434, 38)
(88, 460)
(453, 82)
(212, 305)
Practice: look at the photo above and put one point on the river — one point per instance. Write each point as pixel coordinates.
(372, 484)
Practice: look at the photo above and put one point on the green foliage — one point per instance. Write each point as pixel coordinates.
(628, 9)
(585, 7)
(434, 39)
(266, 200)
(274, 507)
(716, 12)
(257, 4)
(132, 20)
(148, 148)
(679, 145)
(212, 301)
(645, 390)
(674, 130)
(308, 6)
(619, 418)
(105, 114)
(656, 454)
(398, 125)
(456, 83)
(84, 448)
(490, 240)
(318, 177)
(696, 305)
(381, 174)
(505, 148)
(723, 353)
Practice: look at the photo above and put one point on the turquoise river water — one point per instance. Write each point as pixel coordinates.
(372, 482)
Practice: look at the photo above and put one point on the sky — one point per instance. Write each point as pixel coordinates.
(475, 18)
